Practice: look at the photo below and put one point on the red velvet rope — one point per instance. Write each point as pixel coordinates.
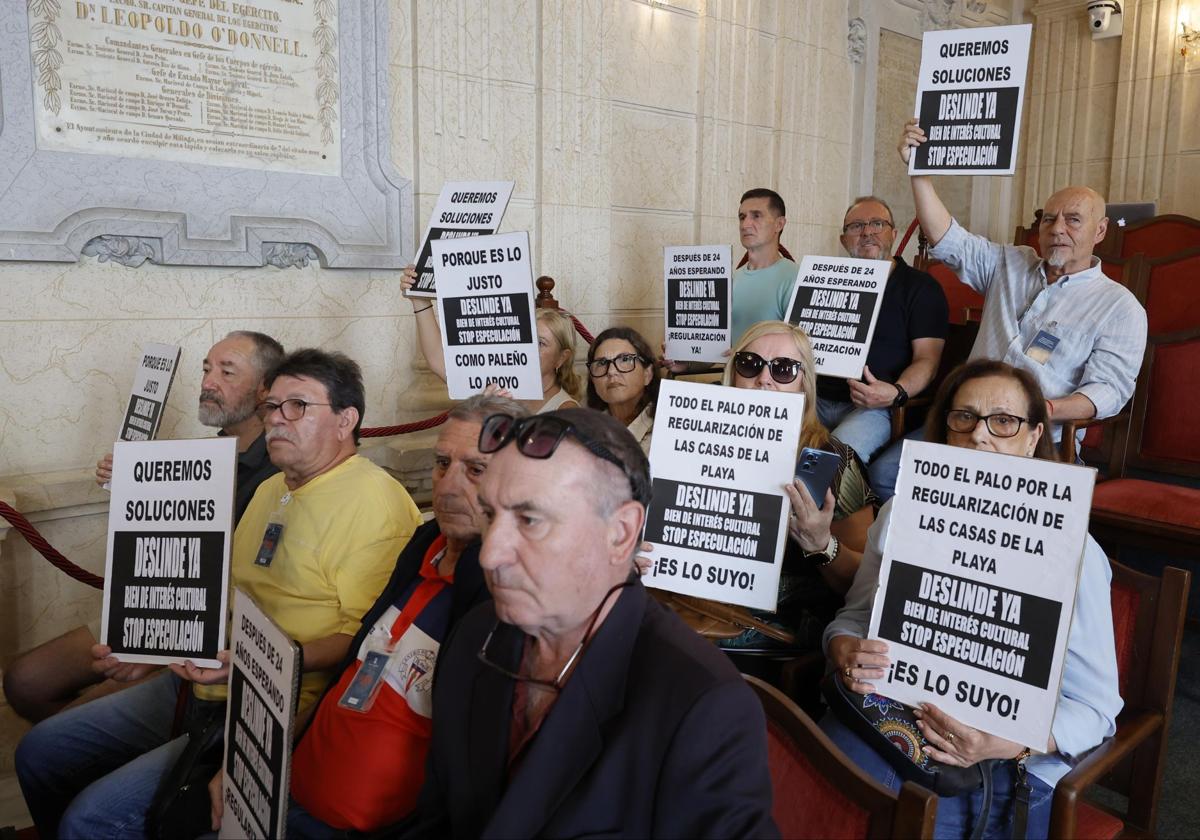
(907, 235)
(405, 428)
(31, 535)
(582, 330)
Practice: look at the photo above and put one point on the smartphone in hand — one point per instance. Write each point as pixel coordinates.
(816, 468)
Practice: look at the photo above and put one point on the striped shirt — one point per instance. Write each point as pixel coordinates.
(1099, 325)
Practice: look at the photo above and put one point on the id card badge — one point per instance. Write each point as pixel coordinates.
(1043, 344)
(360, 695)
(273, 534)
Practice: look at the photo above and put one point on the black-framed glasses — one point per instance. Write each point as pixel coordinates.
(292, 409)
(538, 436)
(870, 226)
(783, 370)
(1000, 424)
(624, 363)
(555, 684)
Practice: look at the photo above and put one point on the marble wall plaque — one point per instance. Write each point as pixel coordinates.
(250, 85)
(199, 132)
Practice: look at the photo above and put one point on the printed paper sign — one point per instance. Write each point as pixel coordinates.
(264, 684)
(151, 384)
(836, 301)
(977, 585)
(485, 297)
(463, 209)
(170, 524)
(720, 458)
(697, 293)
(969, 98)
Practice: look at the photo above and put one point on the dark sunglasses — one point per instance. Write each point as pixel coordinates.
(783, 370)
(538, 437)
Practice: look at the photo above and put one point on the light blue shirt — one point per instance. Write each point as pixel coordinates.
(761, 295)
(1099, 325)
(1088, 699)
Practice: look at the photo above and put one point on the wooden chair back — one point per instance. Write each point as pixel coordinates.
(1158, 237)
(1148, 620)
(820, 792)
(1169, 288)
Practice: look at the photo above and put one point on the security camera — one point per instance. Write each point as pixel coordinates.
(1105, 18)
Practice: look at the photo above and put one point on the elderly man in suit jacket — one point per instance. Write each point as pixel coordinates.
(574, 704)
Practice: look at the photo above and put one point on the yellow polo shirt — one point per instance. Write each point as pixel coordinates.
(342, 533)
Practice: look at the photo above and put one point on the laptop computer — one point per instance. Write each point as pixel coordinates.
(1123, 215)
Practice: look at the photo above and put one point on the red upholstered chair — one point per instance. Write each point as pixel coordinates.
(1028, 236)
(965, 303)
(821, 793)
(1157, 237)
(1148, 619)
(1161, 435)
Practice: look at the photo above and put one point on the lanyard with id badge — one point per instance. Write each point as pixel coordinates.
(274, 532)
(1043, 344)
(379, 647)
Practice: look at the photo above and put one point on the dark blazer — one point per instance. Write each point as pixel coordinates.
(654, 735)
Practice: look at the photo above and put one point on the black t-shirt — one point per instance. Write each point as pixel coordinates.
(253, 468)
(913, 306)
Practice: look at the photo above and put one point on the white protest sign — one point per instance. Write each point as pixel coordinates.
(969, 95)
(151, 384)
(697, 293)
(463, 209)
(485, 297)
(264, 684)
(170, 524)
(977, 585)
(720, 458)
(836, 302)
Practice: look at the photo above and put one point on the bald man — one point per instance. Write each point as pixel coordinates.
(1079, 333)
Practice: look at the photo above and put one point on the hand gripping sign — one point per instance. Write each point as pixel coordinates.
(485, 297)
(836, 302)
(463, 209)
(969, 96)
(170, 524)
(720, 458)
(264, 685)
(977, 585)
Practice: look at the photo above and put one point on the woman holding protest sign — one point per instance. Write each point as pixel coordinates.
(623, 380)
(827, 538)
(991, 406)
(561, 385)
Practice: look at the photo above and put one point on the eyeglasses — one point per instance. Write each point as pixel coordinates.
(871, 226)
(292, 409)
(783, 370)
(624, 363)
(1000, 425)
(555, 684)
(538, 437)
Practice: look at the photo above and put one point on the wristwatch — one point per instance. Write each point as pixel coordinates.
(901, 395)
(826, 555)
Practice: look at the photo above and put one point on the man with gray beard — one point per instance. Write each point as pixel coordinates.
(50, 677)
(1057, 316)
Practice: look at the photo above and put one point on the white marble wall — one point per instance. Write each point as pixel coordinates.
(627, 125)
(1118, 114)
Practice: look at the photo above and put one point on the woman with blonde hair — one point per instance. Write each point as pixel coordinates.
(562, 387)
(826, 536)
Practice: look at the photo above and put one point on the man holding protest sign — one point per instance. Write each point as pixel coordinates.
(1057, 316)
(985, 620)
(906, 346)
(360, 763)
(314, 549)
(574, 704)
(51, 676)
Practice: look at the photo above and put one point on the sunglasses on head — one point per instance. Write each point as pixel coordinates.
(538, 436)
(783, 370)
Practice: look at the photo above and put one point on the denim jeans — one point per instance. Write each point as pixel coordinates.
(302, 825)
(886, 466)
(955, 814)
(92, 771)
(864, 430)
